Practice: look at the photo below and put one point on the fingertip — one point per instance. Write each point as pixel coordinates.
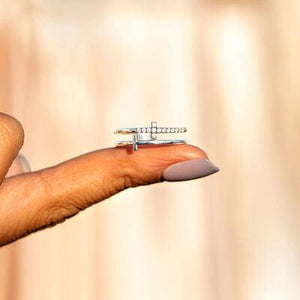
(159, 154)
(194, 152)
(147, 164)
(11, 129)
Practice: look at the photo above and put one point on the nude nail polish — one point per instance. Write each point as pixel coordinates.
(25, 165)
(190, 169)
(20, 165)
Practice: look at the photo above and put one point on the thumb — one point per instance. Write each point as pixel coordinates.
(47, 197)
(11, 141)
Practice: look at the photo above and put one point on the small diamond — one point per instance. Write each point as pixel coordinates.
(172, 130)
(139, 130)
(176, 129)
(158, 130)
(153, 136)
(168, 130)
(154, 129)
(148, 129)
(164, 130)
(144, 130)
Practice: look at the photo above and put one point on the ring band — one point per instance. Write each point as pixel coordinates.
(150, 130)
(148, 135)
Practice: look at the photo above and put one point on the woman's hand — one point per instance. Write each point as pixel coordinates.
(36, 200)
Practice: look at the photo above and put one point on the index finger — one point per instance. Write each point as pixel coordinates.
(44, 198)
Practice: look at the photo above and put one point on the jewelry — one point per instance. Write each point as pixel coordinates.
(148, 135)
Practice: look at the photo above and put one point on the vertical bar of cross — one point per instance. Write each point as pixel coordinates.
(134, 144)
(153, 130)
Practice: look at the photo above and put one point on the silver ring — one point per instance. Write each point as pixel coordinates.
(148, 135)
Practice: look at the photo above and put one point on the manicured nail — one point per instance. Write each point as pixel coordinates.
(20, 165)
(190, 169)
(24, 163)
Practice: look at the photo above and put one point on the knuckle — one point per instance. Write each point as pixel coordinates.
(127, 181)
(44, 183)
(127, 176)
(120, 182)
(58, 210)
(130, 179)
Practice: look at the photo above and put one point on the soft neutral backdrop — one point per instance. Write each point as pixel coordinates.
(73, 71)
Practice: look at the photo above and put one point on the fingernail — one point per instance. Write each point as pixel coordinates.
(190, 169)
(24, 163)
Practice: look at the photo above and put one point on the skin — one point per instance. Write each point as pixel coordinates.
(35, 200)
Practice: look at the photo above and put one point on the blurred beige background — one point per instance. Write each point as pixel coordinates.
(72, 71)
